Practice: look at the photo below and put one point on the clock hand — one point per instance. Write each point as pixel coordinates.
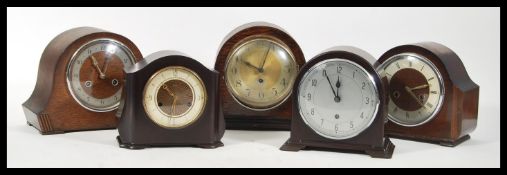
(325, 73)
(338, 84)
(106, 64)
(167, 90)
(413, 95)
(96, 64)
(265, 58)
(173, 110)
(419, 87)
(250, 65)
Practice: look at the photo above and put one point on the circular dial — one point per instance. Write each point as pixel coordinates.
(260, 73)
(337, 98)
(415, 89)
(174, 97)
(95, 74)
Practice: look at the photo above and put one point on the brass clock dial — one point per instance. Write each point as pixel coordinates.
(416, 89)
(174, 97)
(260, 73)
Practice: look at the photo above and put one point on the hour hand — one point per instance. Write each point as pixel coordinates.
(250, 65)
(413, 96)
(96, 64)
(419, 87)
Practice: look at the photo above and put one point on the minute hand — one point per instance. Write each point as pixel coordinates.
(330, 85)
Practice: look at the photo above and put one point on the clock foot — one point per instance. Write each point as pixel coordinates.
(212, 145)
(382, 152)
(128, 145)
(288, 146)
(455, 142)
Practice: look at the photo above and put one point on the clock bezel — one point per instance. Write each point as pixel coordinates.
(369, 77)
(252, 39)
(72, 60)
(433, 67)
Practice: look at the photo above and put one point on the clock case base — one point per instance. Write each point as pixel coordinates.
(142, 146)
(51, 108)
(442, 142)
(235, 123)
(386, 151)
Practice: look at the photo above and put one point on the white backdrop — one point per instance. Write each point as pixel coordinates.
(473, 33)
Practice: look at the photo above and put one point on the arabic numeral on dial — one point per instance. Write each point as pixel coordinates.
(284, 83)
(336, 128)
(275, 91)
(339, 69)
(261, 95)
(363, 86)
(238, 83)
(314, 82)
(367, 101)
(125, 60)
(312, 111)
(351, 124)
(309, 96)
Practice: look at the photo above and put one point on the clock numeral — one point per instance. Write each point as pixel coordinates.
(125, 60)
(309, 96)
(410, 63)
(101, 101)
(76, 75)
(434, 92)
(312, 111)
(102, 48)
(429, 79)
(275, 91)
(354, 74)
(367, 100)
(248, 94)
(284, 83)
(314, 82)
(89, 51)
(363, 86)
(407, 115)
(175, 73)
(78, 61)
(336, 128)
(261, 95)
(321, 121)
(361, 116)
(422, 68)
(429, 105)
(115, 97)
(234, 70)
(339, 69)
(238, 83)
(389, 74)
(398, 65)
(351, 124)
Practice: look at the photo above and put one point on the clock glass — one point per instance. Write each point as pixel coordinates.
(415, 89)
(95, 74)
(337, 98)
(259, 73)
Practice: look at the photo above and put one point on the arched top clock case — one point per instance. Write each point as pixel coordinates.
(138, 131)
(51, 108)
(457, 116)
(237, 115)
(371, 140)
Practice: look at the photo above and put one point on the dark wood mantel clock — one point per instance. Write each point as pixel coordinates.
(432, 97)
(80, 80)
(340, 103)
(170, 100)
(258, 63)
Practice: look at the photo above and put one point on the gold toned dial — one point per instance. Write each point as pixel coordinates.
(260, 73)
(174, 97)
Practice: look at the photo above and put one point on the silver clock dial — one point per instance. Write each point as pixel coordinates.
(338, 99)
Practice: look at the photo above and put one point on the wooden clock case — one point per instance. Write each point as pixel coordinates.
(51, 108)
(238, 116)
(458, 115)
(138, 131)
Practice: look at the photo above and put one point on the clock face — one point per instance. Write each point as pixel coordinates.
(260, 73)
(95, 74)
(174, 97)
(415, 89)
(337, 98)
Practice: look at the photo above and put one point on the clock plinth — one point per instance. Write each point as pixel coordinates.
(133, 146)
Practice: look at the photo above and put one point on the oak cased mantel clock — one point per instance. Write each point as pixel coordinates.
(340, 104)
(80, 81)
(432, 98)
(170, 100)
(258, 63)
